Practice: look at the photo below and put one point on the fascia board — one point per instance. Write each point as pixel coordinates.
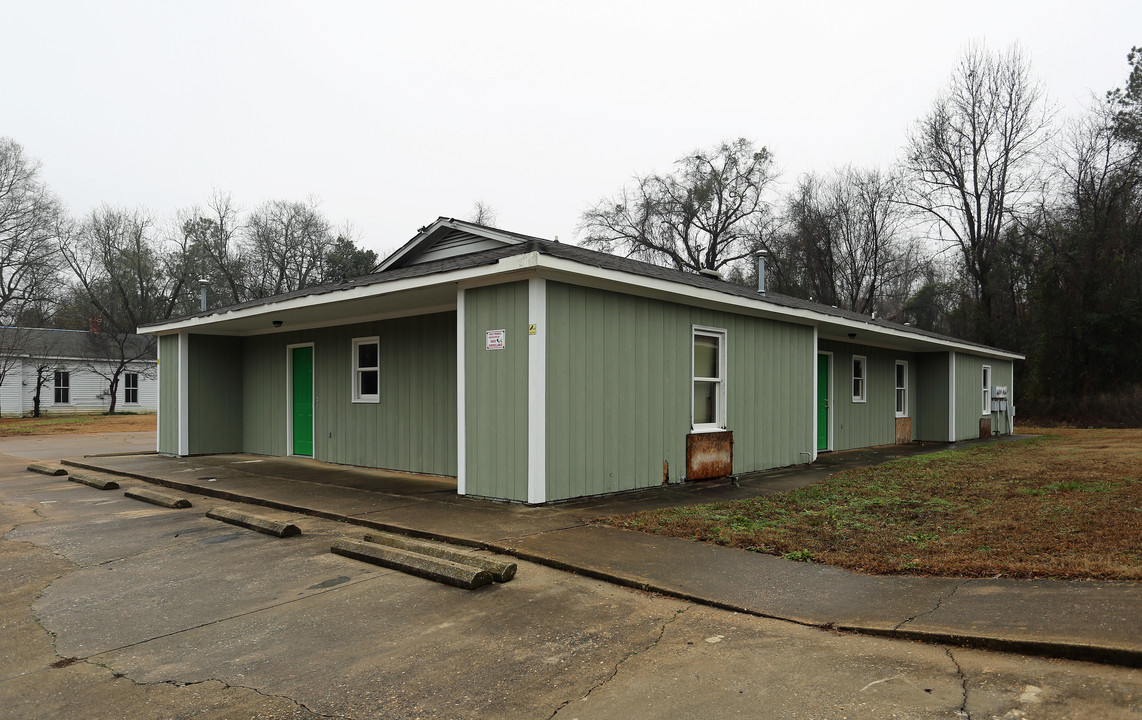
(512, 264)
(602, 278)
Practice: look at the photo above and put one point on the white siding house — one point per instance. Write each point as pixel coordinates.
(75, 366)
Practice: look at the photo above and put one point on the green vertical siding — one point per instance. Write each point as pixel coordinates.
(932, 422)
(168, 394)
(969, 391)
(619, 385)
(873, 422)
(412, 428)
(214, 394)
(496, 392)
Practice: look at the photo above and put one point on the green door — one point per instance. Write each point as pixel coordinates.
(302, 384)
(822, 402)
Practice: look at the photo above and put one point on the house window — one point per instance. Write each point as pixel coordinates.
(708, 361)
(901, 388)
(986, 390)
(859, 374)
(366, 369)
(131, 387)
(62, 387)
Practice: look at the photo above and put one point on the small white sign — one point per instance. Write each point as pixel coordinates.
(497, 339)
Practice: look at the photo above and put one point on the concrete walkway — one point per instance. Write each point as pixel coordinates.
(1094, 621)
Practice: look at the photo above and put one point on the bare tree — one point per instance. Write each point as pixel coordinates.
(127, 276)
(483, 214)
(212, 239)
(705, 215)
(973, 160)
(29, 220)
(287, 243)
(843, 243)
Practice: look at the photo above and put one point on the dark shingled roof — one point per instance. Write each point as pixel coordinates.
(52, 342)
(591, 258)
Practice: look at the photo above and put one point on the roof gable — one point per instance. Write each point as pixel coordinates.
(446, 238)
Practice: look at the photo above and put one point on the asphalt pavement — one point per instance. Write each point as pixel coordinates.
(1094, 621)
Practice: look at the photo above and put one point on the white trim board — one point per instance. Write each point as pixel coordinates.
(537, 392)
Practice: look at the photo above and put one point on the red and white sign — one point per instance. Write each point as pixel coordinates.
(497, 339)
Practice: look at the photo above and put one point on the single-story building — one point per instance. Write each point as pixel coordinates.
(73, 371)
(535, 371)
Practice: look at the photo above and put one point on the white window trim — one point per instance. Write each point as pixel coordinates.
(55, 386)
(863, 397)
(900, 363)
(126, 387)
(986, 410)
(719, 423)
(353, 386)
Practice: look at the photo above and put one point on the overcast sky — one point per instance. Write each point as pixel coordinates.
(392, 114)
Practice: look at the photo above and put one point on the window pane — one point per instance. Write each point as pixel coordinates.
(368, 379)
(858, 368)
(367, 355)
(706, 356)
(705, 402)
(858, 387)
(900, 401)
(899, 376)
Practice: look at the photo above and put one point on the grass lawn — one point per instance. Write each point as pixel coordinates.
(71, 424)
(1064, 505)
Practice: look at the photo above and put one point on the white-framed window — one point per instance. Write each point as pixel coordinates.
(901, 388)
(986, 410)
(61, 387)
(708, 373)
(860, 374)
(131, 387)
(367, 370)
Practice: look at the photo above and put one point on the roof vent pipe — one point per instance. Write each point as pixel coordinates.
(202, 283)
(761, 272)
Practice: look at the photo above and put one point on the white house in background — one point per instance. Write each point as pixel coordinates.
(76, 367)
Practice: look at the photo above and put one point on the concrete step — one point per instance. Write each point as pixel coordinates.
(425, 566)
(501, 571)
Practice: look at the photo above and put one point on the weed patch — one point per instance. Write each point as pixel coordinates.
(1064, 505)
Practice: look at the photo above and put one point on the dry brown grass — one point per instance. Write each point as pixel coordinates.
(1065, 505)
(76, 424)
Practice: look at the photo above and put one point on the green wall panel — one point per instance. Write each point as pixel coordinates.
(618, 390)
(168, 394)
(969, 391)
(214, 394)
(932, 395)
(496, 392)
(412, 428)
(873, 422)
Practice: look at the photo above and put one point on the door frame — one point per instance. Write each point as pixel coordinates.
(289, 400)
(829, 410)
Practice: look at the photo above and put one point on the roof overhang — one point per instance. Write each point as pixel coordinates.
(436, 292)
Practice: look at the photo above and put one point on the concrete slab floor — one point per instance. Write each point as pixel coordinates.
(174, 615)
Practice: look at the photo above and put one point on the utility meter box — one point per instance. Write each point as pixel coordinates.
(999, 392)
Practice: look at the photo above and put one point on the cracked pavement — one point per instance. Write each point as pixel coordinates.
(155, 613)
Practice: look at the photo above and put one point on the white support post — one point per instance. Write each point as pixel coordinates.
(184, 393)
(158, 393)
(537, 392)
(461, 405)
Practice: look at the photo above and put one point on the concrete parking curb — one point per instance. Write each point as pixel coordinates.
(47, 469)
(425, 566)
(500, 571)
(265, 525)
(94, 481)
(157, 498)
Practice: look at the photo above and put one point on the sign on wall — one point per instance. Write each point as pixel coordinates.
(496, 339)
